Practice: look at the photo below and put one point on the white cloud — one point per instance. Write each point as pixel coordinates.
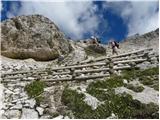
(141, 17)
(66, 15)
(1, 7)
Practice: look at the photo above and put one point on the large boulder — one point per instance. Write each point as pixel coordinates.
(32, 36)
(95, 50)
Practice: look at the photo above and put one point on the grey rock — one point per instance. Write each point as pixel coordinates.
(97, 48)
(27, 105)
(40, 110)
(125, 81)
(32, 36)
(3, 117)
(7, 91)
(30, 78)
(66, 117)
(45, 117)
(59, 117)
(31, 102)
(144, 65)
(154, 58)
(29, 114)
(148, 40)
(10, 114)
(17, 106)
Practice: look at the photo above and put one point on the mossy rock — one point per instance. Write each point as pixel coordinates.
(95, 50)
(146, 80)
(138, 88)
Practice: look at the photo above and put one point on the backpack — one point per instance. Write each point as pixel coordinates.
(116, 44)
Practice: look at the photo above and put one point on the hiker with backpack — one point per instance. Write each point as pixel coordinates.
(114, 46)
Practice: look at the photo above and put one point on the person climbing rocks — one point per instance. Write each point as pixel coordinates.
(114, 46)
(95, 40)
(60, 57)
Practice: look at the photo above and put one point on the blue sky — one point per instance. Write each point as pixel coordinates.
(82, 19)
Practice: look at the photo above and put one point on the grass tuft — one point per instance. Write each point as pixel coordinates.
(34, 89)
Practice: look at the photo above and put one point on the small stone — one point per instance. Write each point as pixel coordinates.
(12, 114)
(154, 58)
(17, 90)
(55, 76)
(82, 75)
(23, 94)
(29, 114)
(119, 64)
(6, 91)
(66, 117)
(59, 117)
(26, 105)
(31, 103)
(23, 84)
(17, 106)
(144, 65)
(43, 105)
(45, 117)
(3, 117)
(125, 81)
(40, 110)
(30, 78)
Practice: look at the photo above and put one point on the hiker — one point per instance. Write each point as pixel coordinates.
(60, 57)
(95, 40)
(114, 46)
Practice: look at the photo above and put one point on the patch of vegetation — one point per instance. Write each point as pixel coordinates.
(135, 88)
(96, 88)
(150, 71)
(155, 86)
(51, 113)
(112, 82)
(147, 77)
(75, 102)
(122, 106)
(130, 74)
(55, 114)
(146, 80)
(34, 89)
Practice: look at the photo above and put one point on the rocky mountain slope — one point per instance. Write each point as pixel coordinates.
(135, 42)
(150, 39)
(32, 36)
(129, 94)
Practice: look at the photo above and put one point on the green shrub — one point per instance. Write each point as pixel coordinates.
(34, 89)
(112, 82)
(147, 77)
(131, 74)
(135, 88)
(75, 102)
(146, 80)
(122, 105)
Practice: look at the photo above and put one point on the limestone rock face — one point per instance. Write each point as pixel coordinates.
(148, 40)
(29, 114)
(32, 36)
